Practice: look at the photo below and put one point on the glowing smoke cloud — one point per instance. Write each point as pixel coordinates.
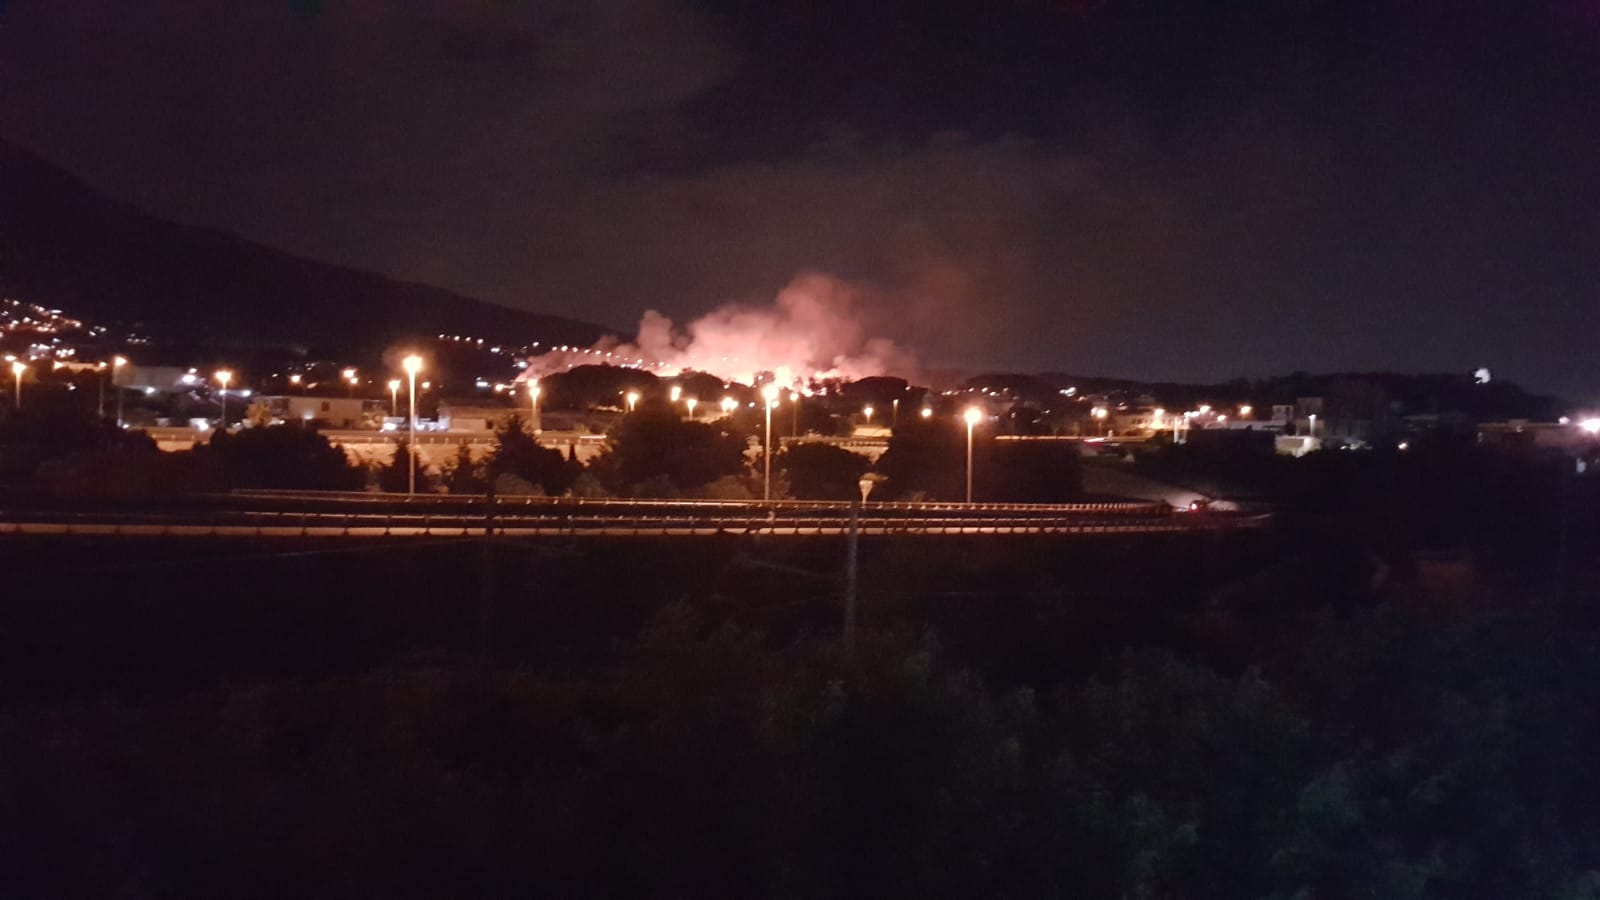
(812, 332)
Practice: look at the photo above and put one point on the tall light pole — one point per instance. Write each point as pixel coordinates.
(412, 365)
(867, 411)
(691, 403)
(677, 393)
(394, 397)
(973, 416)
(117, 362)
(770, 394)
(224, 376)
(894, 416)
(633, 400)
(533, 406)
(794, 414)
(17, 368)
(350, 379)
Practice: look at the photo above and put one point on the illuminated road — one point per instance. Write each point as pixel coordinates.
(269, 514)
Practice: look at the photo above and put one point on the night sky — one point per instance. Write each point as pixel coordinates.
(1193, 190)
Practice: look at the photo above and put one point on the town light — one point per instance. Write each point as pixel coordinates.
(677, 393)
(867, 411)
(533, 406)
(973, 416)
(691, 403)
(633, 400)
(412, 364)
(394, 396)
(1590, 426)
(729, 405)
(927, 412)
(1246, 410)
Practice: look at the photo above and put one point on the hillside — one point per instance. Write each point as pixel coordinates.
(65, 245)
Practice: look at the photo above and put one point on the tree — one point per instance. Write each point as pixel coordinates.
(282, 457)
(517, 452)
(655, 443)
(927, 458)
(822, 471)
(55, 430)
(395, 478)
(463, 474)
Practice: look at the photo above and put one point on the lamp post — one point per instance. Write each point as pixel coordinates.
(295, 379)
(17, 368)
(867, 412)
(677, 393)
(412, 365)
(533, 407)
(633, 400)
(729, 405)
(794, 413)
(351, 380)
(394, 397)
(973, 416)
(894, 416)
(927, 412)
(691, 403)
(117, 362)
(224, 376)
(770, 394)
(1312, 430)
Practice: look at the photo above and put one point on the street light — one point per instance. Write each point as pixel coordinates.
(633, 400)
(224, 376)
(350, 377)
(973, 416)
(677, 393)
(867, 411)
(412, 364)
(394, 396)
(1245, 411)
(295, 379)
(533, 406)
(770, 392)
(691, 403)
(1313, 425)
(17, 368)
(894, 415)
(794, 413)
(729, 405)
(117, 362)
(1100, 412)
(927, 412)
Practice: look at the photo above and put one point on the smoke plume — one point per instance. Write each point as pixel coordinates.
(813, 331)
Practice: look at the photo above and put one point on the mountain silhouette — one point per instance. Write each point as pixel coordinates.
(66, 246)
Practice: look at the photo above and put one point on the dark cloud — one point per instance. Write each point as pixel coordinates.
(1162, 189)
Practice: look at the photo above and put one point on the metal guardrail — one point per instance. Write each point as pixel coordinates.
(367, 524)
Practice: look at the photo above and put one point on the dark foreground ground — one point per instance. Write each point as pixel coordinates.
(1223, 715)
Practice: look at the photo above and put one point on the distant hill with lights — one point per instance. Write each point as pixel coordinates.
(67, 246)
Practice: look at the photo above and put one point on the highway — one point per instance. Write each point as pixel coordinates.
(297, 514)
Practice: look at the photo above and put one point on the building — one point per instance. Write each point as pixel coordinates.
(331, 412)
(455, 415)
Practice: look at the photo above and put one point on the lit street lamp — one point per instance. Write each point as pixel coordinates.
(867, 411)
(351, 379)
(894, 416)
(691, 403)
(394, 396)
(533, 406)
(412, 364)
(770, 393)
(973, 416)
(927, 412)
(794, 413)
(224, 376)
(117, 362)
(17, 368)
(633, 400)
(729, 405)
(677, 393)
